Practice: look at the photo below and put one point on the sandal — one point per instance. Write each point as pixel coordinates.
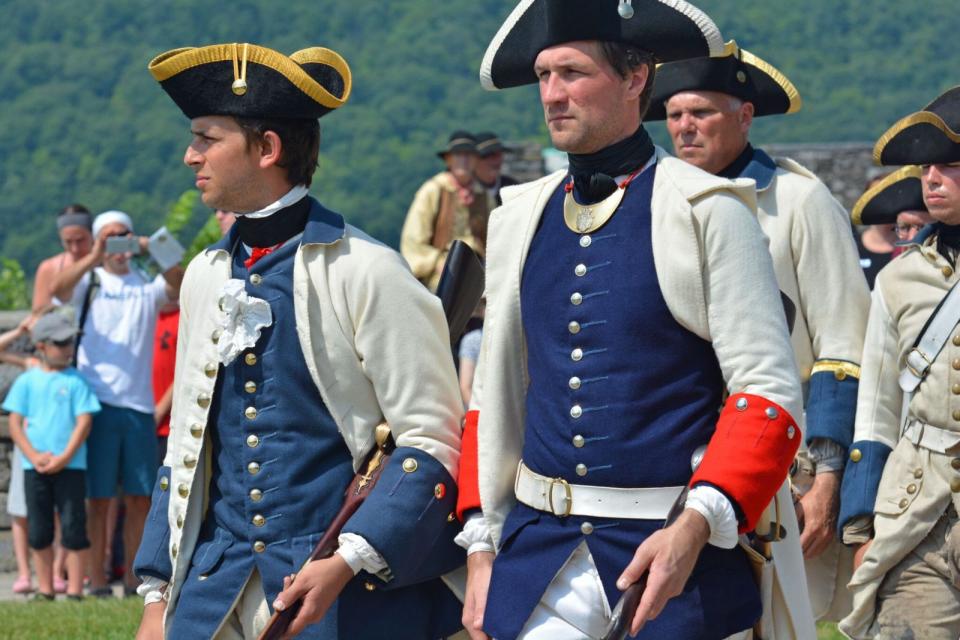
(59, 585)
(22, 585)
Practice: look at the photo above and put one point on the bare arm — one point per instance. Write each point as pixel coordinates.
(64, 282)
(174, 278)
(20, 439)
(162, 410)
(43, 285)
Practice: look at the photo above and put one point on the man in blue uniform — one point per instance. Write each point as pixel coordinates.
(289, 358)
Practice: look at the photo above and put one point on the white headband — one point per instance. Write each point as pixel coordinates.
(109, 217)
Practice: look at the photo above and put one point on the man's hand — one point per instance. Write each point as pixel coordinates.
(479, 568)
(318, 584)
(670, 555)
(151, 624)
(860, 553)
(818, 510)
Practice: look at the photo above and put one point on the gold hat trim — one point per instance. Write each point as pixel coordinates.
(733, 49)
(920, 117)
(904, 173)
(168, 64)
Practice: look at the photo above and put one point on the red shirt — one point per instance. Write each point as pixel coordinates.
(164, 357)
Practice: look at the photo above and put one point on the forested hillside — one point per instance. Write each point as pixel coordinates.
(83, 121)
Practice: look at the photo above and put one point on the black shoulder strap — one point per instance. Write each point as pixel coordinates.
(92, 287)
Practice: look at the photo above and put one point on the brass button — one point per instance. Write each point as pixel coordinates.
(256, 495)
(179, 521)
(250, 386)
(250, 359)
(579, 441)
(956, 340)
(451, 517)
(259, 546)
(586, 528)
(215, 336)
(585, 241)
(253, 468)
(173, 550)
(410, 465)
(256, 279)
(258, 520)
(576, 411)
(956, 415)
(918, 474)
(576, 355)
(196, 430)
(439, 491)
(183, 490)
(955, 485)
(956, 364)
(210, 369)
(855, 455)
(947, 272)
(253, 440)
(189, 461)
(576, 298)
(222, 303)
(164, 483)
(573, 327)
(840, 374)
(203, 400)
(903, 503)
(574, 382)
(911, 488)
(251, 413)
(956, 389)
(369, 586)
(580, 270)
(581, 469)
(955, 463)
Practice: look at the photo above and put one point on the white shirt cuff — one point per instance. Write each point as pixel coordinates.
(361, 556)
(152, 590)
(717, 510)
(476, 534)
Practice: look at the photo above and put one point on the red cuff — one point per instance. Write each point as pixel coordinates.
(468, 496)
(750, 454)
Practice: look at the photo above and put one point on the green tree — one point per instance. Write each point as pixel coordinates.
(13, 286)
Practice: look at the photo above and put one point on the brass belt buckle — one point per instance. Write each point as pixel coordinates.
(919, 374)
(567, 497)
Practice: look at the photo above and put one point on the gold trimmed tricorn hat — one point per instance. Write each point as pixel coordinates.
(250, 81)
(900, 191)
(668, 29)
(931, 136)
(736, 72)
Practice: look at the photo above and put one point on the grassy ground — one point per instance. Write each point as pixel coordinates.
(114, 619)
(111, 619)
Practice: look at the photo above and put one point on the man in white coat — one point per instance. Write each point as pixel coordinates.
(625, 298)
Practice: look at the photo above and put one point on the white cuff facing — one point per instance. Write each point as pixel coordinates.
(476, 535)
(152, 590)
(719, 513)
(360, 555)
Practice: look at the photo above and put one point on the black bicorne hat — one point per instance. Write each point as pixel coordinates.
(736, 72)
(460, 141)
(489, 143)
(931, 136)
(900, 191)
(668, 29)
(250, 81)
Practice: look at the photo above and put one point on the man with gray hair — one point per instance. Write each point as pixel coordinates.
(118, 307)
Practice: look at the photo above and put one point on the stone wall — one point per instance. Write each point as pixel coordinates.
(844, 167)
(8, 320)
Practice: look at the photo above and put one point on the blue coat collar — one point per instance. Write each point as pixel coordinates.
(323, 227)
(761, 169)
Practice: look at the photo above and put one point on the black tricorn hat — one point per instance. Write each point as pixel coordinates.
(460, 141)
(489, 143)
(737, 72)
(250, 81)
(926, 137)
(668, 29)
(899, 191)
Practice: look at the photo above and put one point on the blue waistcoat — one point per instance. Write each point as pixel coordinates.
(620, 395)
(280, 468)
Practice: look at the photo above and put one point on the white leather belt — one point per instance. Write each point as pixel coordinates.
(559, 497)
(930, 437)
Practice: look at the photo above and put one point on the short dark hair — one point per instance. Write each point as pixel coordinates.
(300, 140)
(73, 208)
(624, 59)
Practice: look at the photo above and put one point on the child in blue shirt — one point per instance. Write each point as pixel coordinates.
(51, 410)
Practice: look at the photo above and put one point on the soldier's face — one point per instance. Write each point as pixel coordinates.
(708, 129)
(941, 191)
(228, 172)
(587, 105)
